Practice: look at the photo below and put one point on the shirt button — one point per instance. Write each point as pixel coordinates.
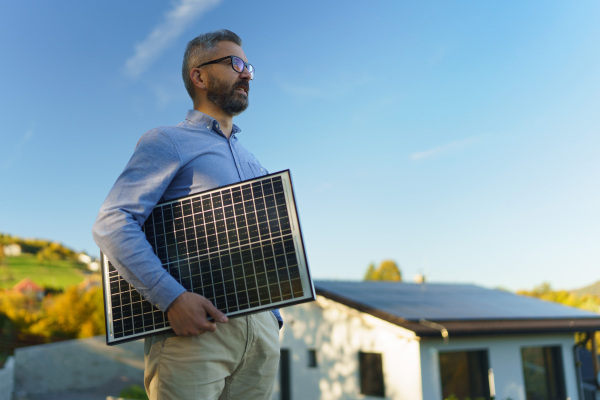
(207, 126)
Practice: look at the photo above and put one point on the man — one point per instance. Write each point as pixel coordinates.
(239, 359)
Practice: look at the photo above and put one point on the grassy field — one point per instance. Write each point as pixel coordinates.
(57, 274)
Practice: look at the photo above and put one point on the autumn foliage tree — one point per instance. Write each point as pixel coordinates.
(387, 270)
(54, 252)
(545, 292)
(32, 316)
(587, 302)
(78, 312)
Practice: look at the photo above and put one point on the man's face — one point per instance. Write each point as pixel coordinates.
(225, 87)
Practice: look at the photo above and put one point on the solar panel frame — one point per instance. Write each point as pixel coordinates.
(239, 245)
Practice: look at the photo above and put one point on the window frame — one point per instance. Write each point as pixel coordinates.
(311, 355)
(371, 374)
(553, 370)
(477, 367)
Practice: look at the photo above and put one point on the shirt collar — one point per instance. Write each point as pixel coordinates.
(199, 118)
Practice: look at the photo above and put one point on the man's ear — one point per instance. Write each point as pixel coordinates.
(198, 77)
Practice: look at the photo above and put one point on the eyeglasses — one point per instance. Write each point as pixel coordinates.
(236, 63)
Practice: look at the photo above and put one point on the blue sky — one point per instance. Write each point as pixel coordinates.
(458, 138)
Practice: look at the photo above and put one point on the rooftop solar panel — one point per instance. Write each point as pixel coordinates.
(446, 302)
(434, 309)
(240, 246)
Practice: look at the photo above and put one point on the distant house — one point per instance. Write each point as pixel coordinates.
(27, 286)
(84, 258)
(94, 266)
(12, 250)
(405, 341)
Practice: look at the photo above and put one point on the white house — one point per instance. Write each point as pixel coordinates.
(84, 258)
(406, 341)
(12, 250)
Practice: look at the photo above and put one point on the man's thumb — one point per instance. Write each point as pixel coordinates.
(217, 315)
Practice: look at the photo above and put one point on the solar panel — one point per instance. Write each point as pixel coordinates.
(239, 245)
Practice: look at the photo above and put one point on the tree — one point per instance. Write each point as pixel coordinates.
(371, 274)
(545, 292)
(76, 313)
(54, 252)
(388, 270)
(8, 334)
(588, 302)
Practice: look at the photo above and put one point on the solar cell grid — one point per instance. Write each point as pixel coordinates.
(240, 246)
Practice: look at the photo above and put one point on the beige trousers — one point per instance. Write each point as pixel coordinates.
(239, 362)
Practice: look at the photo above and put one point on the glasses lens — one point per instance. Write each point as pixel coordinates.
(238, 66)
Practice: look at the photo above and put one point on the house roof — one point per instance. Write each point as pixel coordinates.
(27, 285)
(429, 309)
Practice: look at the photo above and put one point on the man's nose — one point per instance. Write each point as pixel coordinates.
(245, 74)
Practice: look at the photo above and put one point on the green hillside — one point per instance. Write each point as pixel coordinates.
(55, 274)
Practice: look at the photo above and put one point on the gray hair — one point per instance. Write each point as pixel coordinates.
(200, 50)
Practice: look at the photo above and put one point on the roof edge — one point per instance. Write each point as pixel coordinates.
(427, 328)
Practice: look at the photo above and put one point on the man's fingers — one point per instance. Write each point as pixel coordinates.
(188, 315)
(214, 312)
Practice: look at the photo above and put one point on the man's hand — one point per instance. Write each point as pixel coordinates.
(187, 315)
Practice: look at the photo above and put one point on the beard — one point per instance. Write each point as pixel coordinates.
(226, 97)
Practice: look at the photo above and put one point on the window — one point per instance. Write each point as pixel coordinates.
(543, 373)
(312, 358)
(371, 374)
(465, 374)
(585, 363)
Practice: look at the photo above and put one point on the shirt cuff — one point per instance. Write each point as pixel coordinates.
(167, 290)
(278, 316)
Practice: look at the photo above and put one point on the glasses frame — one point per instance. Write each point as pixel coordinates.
(249, 67)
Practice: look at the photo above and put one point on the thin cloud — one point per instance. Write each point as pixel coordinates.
(340, 87)
(175, 22)
(446, 148)
(17, 149)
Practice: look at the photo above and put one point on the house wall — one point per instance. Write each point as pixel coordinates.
(338, 333)
(504, 358)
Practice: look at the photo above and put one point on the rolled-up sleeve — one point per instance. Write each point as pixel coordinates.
(118, 227)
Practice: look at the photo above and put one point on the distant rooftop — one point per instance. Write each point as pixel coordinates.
(27, 285)
(460, 308)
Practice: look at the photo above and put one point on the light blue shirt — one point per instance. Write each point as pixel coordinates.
(168, 162)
